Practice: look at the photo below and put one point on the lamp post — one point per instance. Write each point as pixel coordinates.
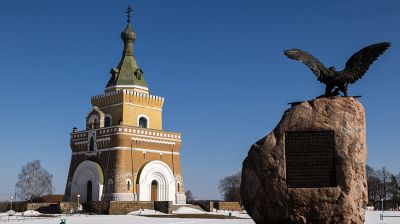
(382, 204)
(77, 206)
(11, 201)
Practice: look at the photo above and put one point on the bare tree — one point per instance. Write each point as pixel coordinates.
(370, 171)
(393, 189)
(383, 185)
(374, 186)
(384, 175)
(229, 187)
(189, 196)
(33, 181)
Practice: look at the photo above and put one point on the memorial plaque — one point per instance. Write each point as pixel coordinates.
(310, 159)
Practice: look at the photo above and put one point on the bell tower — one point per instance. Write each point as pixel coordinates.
(124, 154)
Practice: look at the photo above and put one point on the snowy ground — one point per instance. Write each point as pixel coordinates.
(372, 217)
(133, 217)
(126, 219)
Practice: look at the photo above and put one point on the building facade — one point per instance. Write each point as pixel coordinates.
(124, 154)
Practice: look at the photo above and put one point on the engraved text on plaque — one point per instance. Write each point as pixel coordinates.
(310, 159)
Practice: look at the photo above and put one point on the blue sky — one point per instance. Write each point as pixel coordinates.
(219, 65)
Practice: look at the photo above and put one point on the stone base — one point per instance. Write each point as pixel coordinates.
(125, 207)
(180, 198)
(228, 206)
(120, 197)
(264, 190)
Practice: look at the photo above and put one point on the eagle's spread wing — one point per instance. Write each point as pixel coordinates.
(359, 63)
(313, 63)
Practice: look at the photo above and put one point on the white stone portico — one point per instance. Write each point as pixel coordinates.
(85, 172)
(161, 173)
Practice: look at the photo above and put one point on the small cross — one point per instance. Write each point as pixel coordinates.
(128, 12)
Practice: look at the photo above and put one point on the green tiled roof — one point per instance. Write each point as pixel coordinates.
(127, 72)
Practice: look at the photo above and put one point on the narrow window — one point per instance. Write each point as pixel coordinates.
(128, 185)
(110, 186)
(107, 122)
(91, 144)
(179, 187)
(142, 122)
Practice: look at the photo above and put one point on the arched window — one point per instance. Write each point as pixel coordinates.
(138, 73)
(179, 187)
(91, 144)
(142, 122)
(107, 121)
(93, 122)
(110, 186)
(96, 123)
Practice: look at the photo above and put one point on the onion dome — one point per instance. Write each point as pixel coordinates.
(127, 74)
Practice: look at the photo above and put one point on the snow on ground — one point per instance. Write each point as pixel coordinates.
(188, 210)
(234, 213)
(146, 212)
(31, 213)
(124, 219)
(372, 217)
(9, 212)
(26, 213)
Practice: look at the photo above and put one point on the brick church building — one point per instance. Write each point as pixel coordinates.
(124, 154)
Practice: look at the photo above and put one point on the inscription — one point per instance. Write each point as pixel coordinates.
(310, 159)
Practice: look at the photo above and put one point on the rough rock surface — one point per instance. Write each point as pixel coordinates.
(264, 192)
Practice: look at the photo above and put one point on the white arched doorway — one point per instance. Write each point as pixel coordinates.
(88, 178)
(156, 178)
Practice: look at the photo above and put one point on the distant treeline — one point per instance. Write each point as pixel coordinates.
(382, 184)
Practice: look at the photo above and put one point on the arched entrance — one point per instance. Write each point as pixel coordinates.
(88, 182)
(156, 182)
(154, 190)
(89, 191)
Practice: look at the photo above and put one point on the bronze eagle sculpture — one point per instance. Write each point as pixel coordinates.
(355, 67)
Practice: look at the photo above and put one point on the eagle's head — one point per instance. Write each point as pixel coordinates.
(332, 68)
